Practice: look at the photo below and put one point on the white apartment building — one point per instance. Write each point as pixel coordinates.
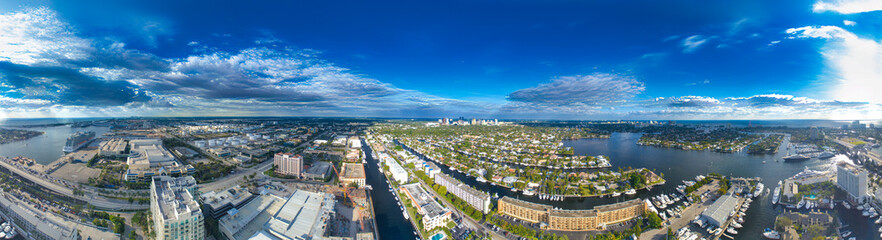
(478, 199)
(398, 172)
(176, 214)
(852, 179)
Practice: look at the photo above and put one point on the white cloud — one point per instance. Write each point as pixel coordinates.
(848, 23)
(597, 89)
(853, 63)
(691, 43)
(847, 6)
(37, 36)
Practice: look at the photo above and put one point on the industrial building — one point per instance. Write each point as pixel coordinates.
(243, 222)
(304, 216)
(318, 170)
(718, 212)
(176, 214)
(115, 147)
(148, 158)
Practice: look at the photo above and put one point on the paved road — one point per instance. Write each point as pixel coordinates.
(236, 178)
(90, 197)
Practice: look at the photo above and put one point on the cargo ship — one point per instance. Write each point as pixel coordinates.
(78, 140)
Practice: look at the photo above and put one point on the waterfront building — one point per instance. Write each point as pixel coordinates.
(305, 215)
(718, 212)
(572, 220)
(434, 215)
(221, 202)
(431, 169)
(176, 214)
(852, 179)
(808, 176)
(398, 172)
(477, 199)
(148, 158)
(288, 164)
(115, 147)
(353, 173)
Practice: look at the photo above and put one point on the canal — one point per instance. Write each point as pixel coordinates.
(390, 221)
(678, 165)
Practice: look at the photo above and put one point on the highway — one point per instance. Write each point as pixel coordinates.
(89, 197)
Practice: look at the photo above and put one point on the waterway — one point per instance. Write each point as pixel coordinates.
(390, 221)
(678, 165)
(46, 148)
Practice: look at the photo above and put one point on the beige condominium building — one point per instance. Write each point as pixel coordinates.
(571, 220)
(288, 164)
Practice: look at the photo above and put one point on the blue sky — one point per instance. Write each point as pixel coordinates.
(510, 59)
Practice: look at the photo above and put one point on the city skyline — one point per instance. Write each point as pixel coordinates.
(507, 60)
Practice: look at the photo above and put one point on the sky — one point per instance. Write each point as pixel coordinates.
(572, 60)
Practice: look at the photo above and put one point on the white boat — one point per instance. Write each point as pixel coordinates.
(865, 213)
(616, 194)
(10, 235)
(528, 192)
(732, 231)
(846, 205)
(771, 234)
(481, 179)
(777, 195)
(860, 207)
(800, 204)
(846, 233)
(631, 192)
(739, 220)
(736, 225)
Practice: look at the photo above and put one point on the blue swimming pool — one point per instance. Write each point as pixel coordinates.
(437, 236)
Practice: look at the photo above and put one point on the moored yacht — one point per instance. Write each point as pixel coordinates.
(771, 234)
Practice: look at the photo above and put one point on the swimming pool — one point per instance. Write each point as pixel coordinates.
(437, 236)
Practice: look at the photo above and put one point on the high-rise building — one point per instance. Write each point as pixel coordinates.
(814, 133)
(852, 179)
(857, 125)
(176, 214)
(288, 164)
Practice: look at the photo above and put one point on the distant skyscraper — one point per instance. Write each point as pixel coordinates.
(857, 125)
(474, 121)
(288, 164)
(814, 133)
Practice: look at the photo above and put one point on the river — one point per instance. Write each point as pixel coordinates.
(46, 148)
(678, 165)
